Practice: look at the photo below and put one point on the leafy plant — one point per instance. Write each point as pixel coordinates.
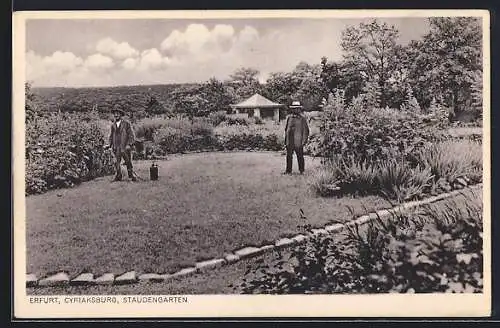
(62, 151)
(397, 180)
(376, 134)
(438, 249)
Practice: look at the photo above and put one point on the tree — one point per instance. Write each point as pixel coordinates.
(441, 63)
(311, 89)
(29, 105)
(372, 93)
(372, 49)
(245, 82)
(280, 87)
(187, 100)
(330, 74)
(477, 92)
(351, 80)
(153, 106)
(193, 106)
(410, 104)
(217, 95)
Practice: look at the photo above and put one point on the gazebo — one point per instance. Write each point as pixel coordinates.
(259, 106)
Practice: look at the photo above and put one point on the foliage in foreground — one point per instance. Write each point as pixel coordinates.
(436, 250)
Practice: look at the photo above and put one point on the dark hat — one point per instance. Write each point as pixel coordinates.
(295, 104)
(117, 110)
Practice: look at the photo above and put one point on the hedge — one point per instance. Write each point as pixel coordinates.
(62, 151)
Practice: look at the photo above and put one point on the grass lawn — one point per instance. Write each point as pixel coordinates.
(218, 281)
(465, 131)
(203, 206)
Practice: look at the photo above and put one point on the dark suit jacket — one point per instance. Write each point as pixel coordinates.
(296, 131)
(121, 136)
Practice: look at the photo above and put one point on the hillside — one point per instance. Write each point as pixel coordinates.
(129, 98)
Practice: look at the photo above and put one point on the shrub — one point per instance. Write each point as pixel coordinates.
(433, 167)
(324, 181)
(376, 134)
(451, 160)
(476, 78)
(62, 151)
(397, 180)
(394, 179)
(267, 136)
(410, 104)
(217, 118)
(357, 103)
(235, 120)
(257, 120)
(436, 250)
(147, 127)
(179, 136)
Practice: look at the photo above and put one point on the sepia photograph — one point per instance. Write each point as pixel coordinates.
(232, 163)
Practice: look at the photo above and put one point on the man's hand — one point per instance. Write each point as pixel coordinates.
(128, 148)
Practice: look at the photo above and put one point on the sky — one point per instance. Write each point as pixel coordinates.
(111, 52)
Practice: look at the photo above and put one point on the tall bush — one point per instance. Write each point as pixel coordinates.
(62, 151)
(375, 134)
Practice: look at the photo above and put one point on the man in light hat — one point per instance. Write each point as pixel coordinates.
(121, 140)
(296, 135)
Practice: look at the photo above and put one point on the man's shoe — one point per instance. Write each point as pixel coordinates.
(133, 179)
(116, 179)
(286, 173)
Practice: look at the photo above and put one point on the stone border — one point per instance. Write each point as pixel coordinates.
(87, 279)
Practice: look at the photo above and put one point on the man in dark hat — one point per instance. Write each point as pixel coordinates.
(121, 140)
(296, 135)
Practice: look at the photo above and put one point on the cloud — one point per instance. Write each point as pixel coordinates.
(98, 61)
(198, 42)
(189, 54)
(129, 63)
(151, 59)
(248, 35)
(117, 50)
(62, 60)
(64, 68)
(58, 63)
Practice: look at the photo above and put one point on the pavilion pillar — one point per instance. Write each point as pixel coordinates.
(256, 112)
(277, 114)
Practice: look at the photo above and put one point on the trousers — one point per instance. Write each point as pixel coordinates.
(127, 157)
(299, 152)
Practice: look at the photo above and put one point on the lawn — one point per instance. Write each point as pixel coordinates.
(203, 206)
(217, 281)
(465, 131)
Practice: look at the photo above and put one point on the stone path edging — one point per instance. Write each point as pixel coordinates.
(87, 279)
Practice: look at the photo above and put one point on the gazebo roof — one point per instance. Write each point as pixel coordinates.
(256, 101)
